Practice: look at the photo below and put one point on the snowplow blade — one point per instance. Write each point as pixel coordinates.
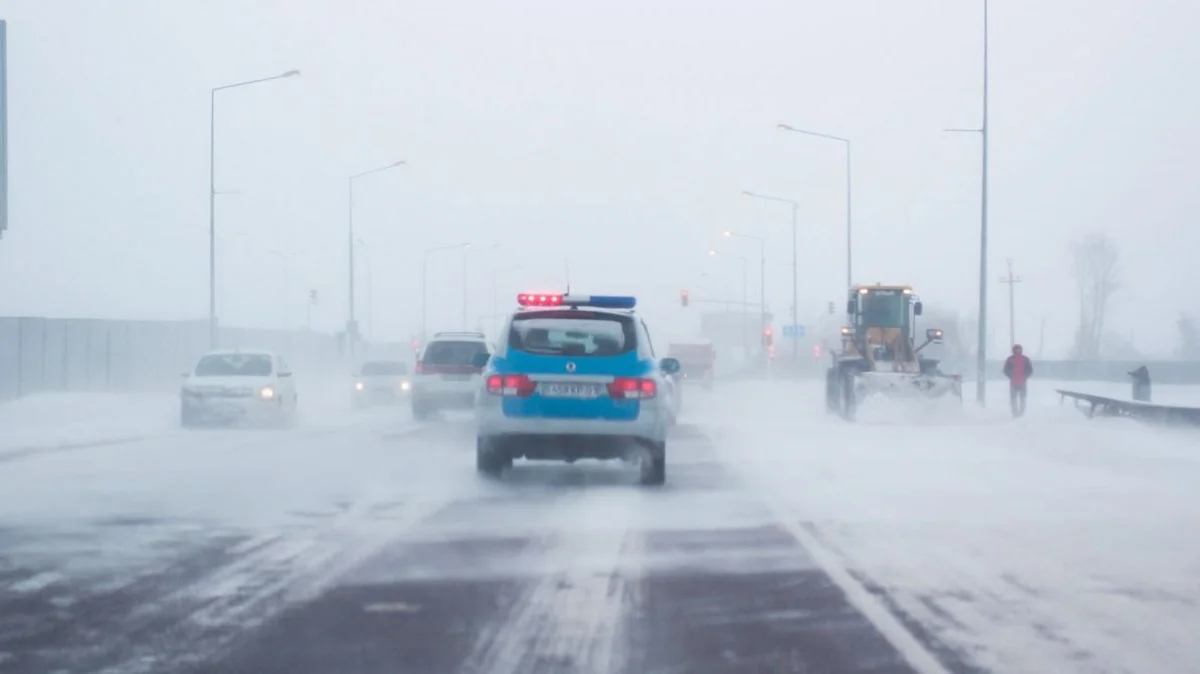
(907, 385)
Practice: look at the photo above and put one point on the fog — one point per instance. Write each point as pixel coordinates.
(614, 139)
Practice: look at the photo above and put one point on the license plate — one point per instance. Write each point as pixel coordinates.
(570, 390)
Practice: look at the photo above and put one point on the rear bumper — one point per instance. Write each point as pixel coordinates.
(651, 425)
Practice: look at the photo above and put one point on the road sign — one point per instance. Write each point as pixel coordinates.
(793, 332)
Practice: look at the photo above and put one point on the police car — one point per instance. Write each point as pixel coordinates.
(574, 377)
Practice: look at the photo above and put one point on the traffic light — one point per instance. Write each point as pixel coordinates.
(683, 298)
(768, 337)
(816, 350)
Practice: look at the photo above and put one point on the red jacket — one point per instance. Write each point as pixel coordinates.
(1018, 369)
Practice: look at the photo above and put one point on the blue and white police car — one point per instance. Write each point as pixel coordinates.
(575, 377)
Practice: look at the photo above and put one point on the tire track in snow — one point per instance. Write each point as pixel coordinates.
(276, 571)
(874, 607)
(573, 618)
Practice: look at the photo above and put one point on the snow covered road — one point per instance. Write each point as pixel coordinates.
(785, 540)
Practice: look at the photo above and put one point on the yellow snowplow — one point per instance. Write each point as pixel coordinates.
(879, 354)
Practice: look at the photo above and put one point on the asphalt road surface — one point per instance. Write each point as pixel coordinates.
(371, 546)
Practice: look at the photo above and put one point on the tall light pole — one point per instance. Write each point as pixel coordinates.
(212, 195)
(370, 289)
(849, 199)
(425, 277)
(762, 276)
(795, 267)
(981, 347)
(745, 275)
(1012, 282)
(351, 325)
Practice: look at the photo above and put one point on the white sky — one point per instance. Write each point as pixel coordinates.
(617, 134)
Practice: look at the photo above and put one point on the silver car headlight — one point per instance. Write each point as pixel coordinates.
(404, 386)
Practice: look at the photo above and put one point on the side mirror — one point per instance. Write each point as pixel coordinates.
(185, 375)
(480, 359)
(917, 308)
(670, 365)
(933, 334)
(285, 374)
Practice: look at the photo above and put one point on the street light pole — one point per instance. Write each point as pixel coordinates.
(370, 289)
(466, 286)
(425, 285)
(849, 198)
(212, 195)
(795, 267)
(351, 329)
(981, 347)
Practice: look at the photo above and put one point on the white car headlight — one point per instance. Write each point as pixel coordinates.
(404, 386)
(358, 386)
(267, 393)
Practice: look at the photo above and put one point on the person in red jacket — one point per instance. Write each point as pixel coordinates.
(1018, 369)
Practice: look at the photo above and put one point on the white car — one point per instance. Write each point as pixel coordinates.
(381, 382)
(446, 376)
(238, 386)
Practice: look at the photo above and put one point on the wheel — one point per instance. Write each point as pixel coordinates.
(654, 470)
(489, 458)
(849, 401)
(421, 411)
(832, 394)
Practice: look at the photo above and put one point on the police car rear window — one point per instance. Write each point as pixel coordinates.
(573, 333)
(449, 352)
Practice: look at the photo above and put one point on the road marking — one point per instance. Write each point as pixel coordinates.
(392, 607)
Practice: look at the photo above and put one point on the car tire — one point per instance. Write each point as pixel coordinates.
(654, 469)
(489, 460)
(421, 411)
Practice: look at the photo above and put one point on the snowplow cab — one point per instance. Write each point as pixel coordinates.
(882, 320)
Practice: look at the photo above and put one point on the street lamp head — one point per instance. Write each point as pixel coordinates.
(399, 163)
(785, 127)
(712, 252)
(291, 73)
(728, 233)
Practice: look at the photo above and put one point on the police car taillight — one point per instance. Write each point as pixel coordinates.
(632, 388)
(512, 385)
(539, 300)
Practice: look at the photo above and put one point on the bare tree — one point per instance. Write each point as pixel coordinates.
(1097, 274)
(1189, 339)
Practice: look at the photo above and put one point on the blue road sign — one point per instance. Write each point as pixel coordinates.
(793, 332)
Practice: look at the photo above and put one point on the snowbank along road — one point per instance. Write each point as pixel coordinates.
(784, 541)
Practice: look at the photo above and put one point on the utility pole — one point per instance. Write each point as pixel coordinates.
(1012, 282)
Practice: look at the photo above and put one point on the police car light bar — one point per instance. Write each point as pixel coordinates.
(597, 301)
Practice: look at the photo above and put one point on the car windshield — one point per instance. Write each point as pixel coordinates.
(573, 333)
(450, 352)
(234, 365)
(884, 309)
(383, 368)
